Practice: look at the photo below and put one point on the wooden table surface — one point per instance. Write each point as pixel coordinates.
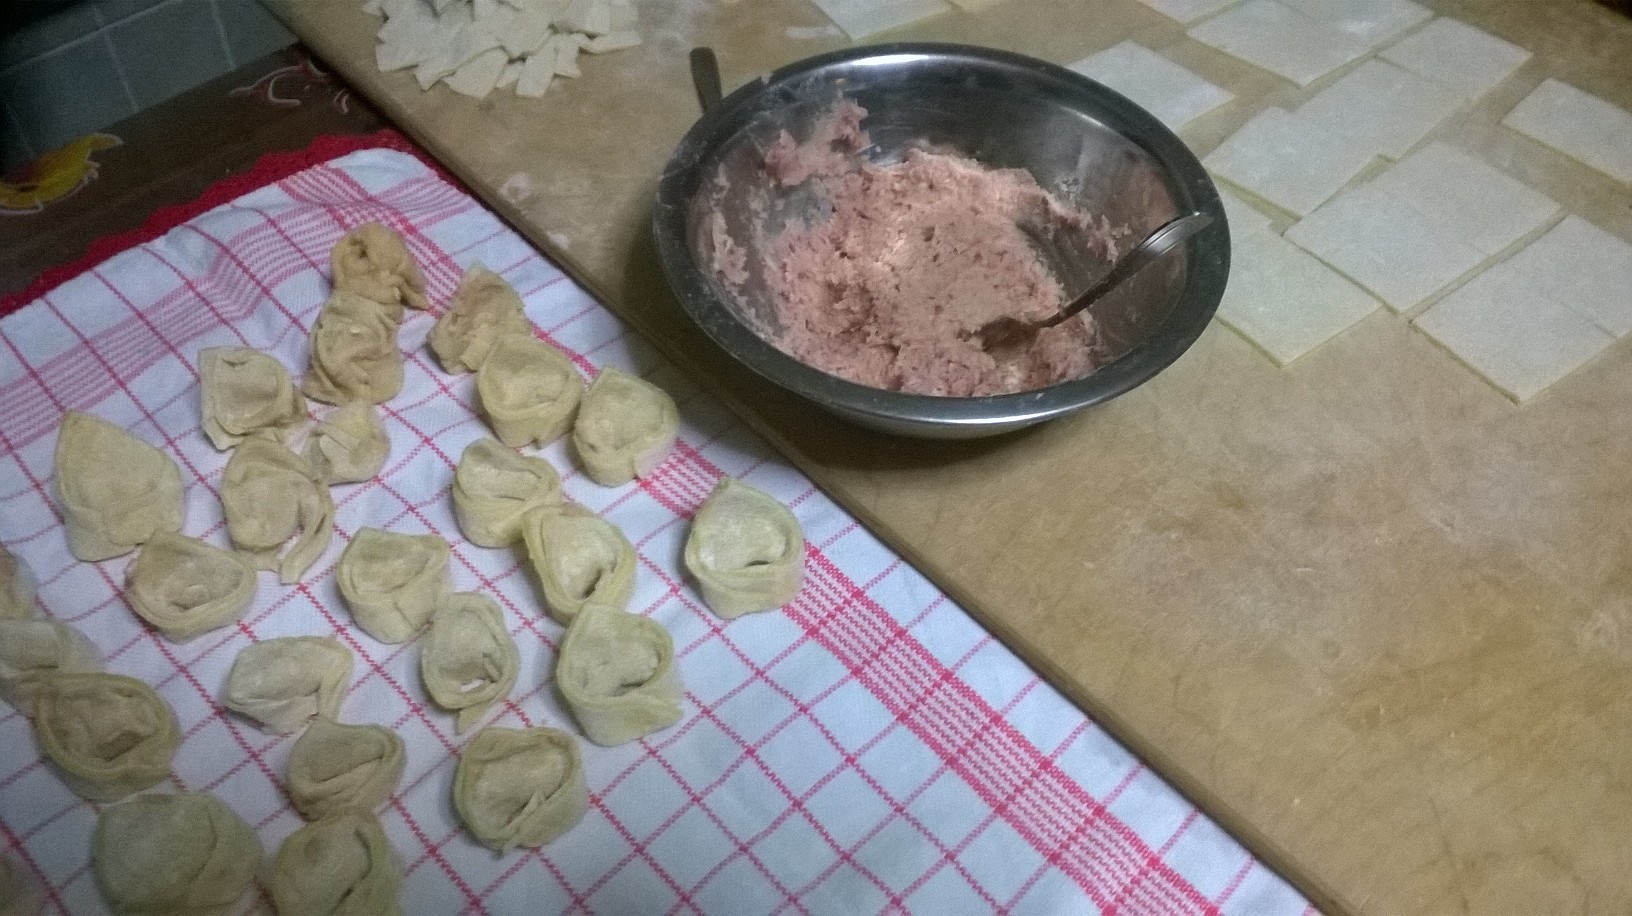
(1372, 616)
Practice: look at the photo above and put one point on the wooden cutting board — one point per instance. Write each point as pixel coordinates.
(1372, 616)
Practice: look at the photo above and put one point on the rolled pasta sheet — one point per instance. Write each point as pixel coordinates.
(371, 261)
(468, 660)
(334, 766)
(17, 586)
(528, 390)
(184, 586)
(270, 497)
(245, 392)
(745, 550)
(392, 582)
(578, 557)
(282, 683)
(349, 445)
(354, 354)
(20, 892)
(106, 734)
(485, 309)
(520, 787)
(185, 854)
(626, 426)
(34, 648)
(341, 865)
(616, 673)
(494, 488)
(116, 490)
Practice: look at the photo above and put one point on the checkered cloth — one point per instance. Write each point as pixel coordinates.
(868, 748)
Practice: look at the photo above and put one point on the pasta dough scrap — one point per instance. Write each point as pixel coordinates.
(616, 672)
(185, 854)
(270, 495)
(185, 586)
(393, 581)
(334, 766)
(745, 550)
(578, 557)
(494, 488)
(373, 262)
(341, 865)
(282, 683)
(520, 787)
(116, 490)
(354, 352)
(626, 427)
(528, 390)
(246, 392)
(349, 445)
(108, 735)
(485, 310)
(16, 586)
(468, 660)
(34, 648)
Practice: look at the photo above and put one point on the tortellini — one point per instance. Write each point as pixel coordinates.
(468, 660)
(626, 427)
(392, 581)
(371, 261)
(341, 865)
(185, 854)
(108, 735)
(354, 354)
(335, 766)
(485, 310)
(520, 787)
(184, 586)
(349, 445)
(528, 390)
(616, 672)
(245, 392)
(494, 488)
(745, 550)
(16, 586)
(578, 557)
(271, 495)
(282, 683)
(116, 490)
(34, 648)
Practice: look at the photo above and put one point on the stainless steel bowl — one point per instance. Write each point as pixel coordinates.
(1084, 143)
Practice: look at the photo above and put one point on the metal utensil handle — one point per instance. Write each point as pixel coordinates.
(705, 75)
(1166, 238)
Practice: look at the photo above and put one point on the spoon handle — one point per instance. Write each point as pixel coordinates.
(705, 76)
(1169, 236)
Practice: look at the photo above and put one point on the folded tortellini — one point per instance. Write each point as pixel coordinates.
(34, 648)
(468, 660)
(393, 581)
(116, 490)
(494, 488)
(16, 586)
(354, 354)
(185, 854)
(485, 309)
(371, 261)
(334, 766)
(341, 865)
(108, 735)
(185, 586)
(528, 390)
(520, 787)
(578, 557)
(270, 495)
(616, 673)
(626, 426)
(745, 550)
(282, 683)
(246, 392)
(349, 445)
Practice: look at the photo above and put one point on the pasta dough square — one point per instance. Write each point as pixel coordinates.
(1373, 21)
(1188, 11)
(1385, 108)
(864, 18)
(1579, 125)
(1284, 300)
(1582, 267)
(1476, 202)
(1288, 161)
(1454, 54)
(1243, 217)
(1281, 40)
(1170, 92)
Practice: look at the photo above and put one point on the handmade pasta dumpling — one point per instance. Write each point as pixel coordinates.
(745, 550)
(341, 865)
(372, 262)
(282, 683)
(626, 427)
(468, 660)
(349, 445)
(520, 787)
(528, 390)
(354, 355)
(245, 392)
(578, 557)
(34, 648)
(393, 581)
(186, 854)
(108, 735)
(116, 490)
(16, 586)
(616, 673)
(334, 766)
(494, 488)
(485, 309)
(184, 586)
(270, 495)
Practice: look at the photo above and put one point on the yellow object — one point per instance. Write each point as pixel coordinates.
(53, 176)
